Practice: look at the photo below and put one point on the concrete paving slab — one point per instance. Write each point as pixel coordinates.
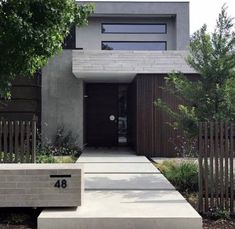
(111, 158)
(126, 210)
(119, 168)
(108, 151)
(127, 182)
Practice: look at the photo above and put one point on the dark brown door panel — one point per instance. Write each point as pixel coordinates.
(101, 103)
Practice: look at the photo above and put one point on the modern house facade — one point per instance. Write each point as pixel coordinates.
(103, 85)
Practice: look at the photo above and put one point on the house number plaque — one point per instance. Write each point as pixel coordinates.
(62, 182)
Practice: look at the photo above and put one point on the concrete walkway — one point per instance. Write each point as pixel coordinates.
(124, 191)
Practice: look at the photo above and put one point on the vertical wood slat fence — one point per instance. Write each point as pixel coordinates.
(216, 175)
(18, 141)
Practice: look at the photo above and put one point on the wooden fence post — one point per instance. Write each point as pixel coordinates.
(216, 181)
(200, 174)
(34, 133)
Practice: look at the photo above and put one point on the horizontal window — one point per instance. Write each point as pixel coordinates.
(133, 28)
(134, 45)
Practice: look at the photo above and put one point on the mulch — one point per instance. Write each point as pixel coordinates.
(219, 224)
(6, 226)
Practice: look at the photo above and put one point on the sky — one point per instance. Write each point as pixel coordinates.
(203, 11)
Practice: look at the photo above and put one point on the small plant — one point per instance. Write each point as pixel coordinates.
(62, 150)
(16, 218)
(219, 213)
(185, 146)
(45, 158)
(165, 166)
(64, 144)
(184, 175)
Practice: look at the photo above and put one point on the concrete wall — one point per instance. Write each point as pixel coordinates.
(90, 37)
(109, 11)
(122, 66)
(62, 98)
(33, 185)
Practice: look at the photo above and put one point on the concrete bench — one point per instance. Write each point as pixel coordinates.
(41, 185)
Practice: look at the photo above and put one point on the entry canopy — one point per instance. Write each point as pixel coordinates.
(122, 66)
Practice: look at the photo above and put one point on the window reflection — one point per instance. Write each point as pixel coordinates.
(134, 45)
(133, 28)
(122, 114)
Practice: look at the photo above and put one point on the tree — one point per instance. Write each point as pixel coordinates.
(212, 96)
(33, 31)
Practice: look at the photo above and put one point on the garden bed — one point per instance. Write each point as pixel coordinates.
(19, 218)
(183, 175)
(209, 223)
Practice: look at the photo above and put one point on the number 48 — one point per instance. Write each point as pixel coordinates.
(61, 184)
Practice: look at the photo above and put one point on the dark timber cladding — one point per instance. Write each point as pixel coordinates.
(25, 101)
(153, 136)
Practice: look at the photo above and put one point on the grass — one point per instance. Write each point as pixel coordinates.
(65, 159)
(44, 158)
(183, 175)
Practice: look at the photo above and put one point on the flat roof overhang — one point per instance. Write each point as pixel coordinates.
(122, 66)
(137, 8)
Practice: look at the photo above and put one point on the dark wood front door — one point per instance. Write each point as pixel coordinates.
(101, 114)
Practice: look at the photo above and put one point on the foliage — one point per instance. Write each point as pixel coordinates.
(166, 165)
(65, 159)
(48, 158)
(45, 157)
(15, 218)
(184, 146)
(64, 144)
(63, 149)
(183, 175)
(33, 31)
(219, 213)
(212, 96)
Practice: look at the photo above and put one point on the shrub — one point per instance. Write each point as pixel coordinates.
(45, 158)
(14, 218)
(184, 175)
(167, 165)
(64, 144)
(219, 213)
(185, 146)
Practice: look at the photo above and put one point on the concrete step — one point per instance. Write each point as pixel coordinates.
(111, 158)
(127, 182)
(125, 210)
(127, 168)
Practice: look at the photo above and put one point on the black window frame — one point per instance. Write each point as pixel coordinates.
(165, 42)
(165, 24)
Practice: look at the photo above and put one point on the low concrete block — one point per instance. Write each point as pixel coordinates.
(125, 210)
(41, 185)
(127, 182)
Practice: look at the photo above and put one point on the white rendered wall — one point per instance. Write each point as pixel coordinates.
(90, 37)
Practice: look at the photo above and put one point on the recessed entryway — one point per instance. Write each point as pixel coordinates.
(106, 114)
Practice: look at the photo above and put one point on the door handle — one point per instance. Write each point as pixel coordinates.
(112, 118)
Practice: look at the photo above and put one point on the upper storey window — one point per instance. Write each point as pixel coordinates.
(134, 45)
(133, 28)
